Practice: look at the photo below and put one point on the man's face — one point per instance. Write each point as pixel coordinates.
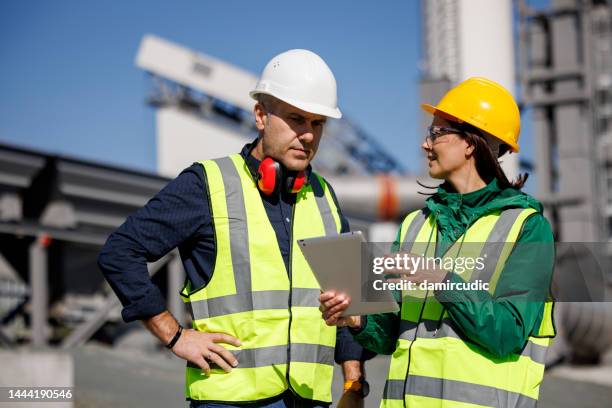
(291, 136)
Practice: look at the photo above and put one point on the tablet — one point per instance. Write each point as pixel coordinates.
(336, 262)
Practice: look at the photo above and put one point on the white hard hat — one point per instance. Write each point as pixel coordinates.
(300, 78)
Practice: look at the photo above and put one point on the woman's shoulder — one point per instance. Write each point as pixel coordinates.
(536, 228)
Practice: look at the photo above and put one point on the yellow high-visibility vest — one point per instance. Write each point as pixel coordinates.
(434, 364)
(251, 295)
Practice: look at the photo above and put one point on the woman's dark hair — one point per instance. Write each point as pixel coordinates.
(487, 164)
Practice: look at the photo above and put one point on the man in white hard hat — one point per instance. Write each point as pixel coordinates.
(258, 339)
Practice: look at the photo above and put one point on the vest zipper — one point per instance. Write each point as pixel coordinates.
(439, 322)
(416, 332)
(289, 305)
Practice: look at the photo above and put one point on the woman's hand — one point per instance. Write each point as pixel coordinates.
(333, 304)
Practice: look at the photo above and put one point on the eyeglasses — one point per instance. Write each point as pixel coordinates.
(434, 132)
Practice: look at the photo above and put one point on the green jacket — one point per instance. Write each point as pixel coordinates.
(500, 322)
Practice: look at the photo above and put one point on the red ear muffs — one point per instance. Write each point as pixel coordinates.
(270, 176)
(269, 173)
(296, 182)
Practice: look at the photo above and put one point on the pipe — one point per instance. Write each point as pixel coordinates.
(378, 198)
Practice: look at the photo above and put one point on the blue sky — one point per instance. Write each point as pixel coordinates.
(68, 83)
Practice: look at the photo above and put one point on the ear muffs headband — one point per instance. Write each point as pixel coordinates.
(271, 176)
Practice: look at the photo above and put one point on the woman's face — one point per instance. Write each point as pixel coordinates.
(448, 152)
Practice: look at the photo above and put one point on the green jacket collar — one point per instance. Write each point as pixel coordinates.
(454, 212)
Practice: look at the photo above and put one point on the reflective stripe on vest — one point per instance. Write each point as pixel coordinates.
(251, 295)
(434, 363)
(426, 389)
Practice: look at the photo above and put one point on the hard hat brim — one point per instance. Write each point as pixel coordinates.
(435, 111)
(305, 106)
(428, 108)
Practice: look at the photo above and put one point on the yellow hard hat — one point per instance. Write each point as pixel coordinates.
(485, 105)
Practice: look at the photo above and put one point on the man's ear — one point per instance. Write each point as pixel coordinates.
(260, 116)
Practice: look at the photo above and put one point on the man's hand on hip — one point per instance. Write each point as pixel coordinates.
(202, 349)
(197, 347)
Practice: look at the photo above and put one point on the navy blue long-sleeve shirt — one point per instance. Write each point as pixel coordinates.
(179, 216)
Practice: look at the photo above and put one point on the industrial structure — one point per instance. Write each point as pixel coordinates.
(565, 56)
(55, 215)
(566, 77)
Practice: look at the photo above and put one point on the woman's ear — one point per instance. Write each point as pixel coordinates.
(469, 150)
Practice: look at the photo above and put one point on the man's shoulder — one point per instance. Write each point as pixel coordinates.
(190, 178)
(195, 170)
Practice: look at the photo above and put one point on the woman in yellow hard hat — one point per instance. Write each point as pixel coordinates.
(476, 314)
